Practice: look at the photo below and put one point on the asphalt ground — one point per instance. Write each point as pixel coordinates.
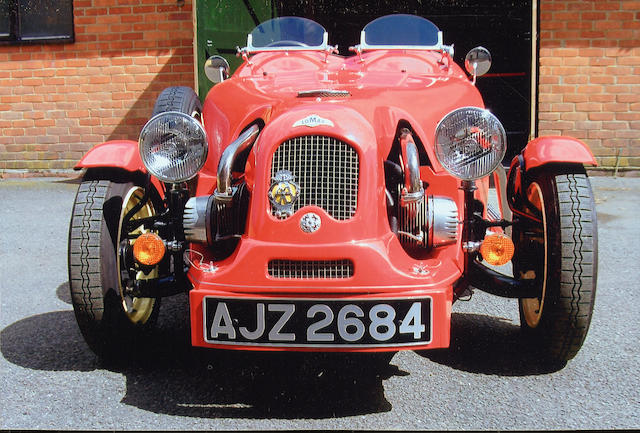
(49, 379)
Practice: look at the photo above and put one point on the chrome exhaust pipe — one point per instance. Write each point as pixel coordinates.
(223, 192)
(412, 190)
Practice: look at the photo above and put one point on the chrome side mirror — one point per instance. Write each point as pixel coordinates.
(477, 62)
(216, 68)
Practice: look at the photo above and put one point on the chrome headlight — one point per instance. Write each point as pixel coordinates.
(470, 143)
(173, 146)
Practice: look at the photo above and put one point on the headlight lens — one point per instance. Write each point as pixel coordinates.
(173, 146)
(470, 143)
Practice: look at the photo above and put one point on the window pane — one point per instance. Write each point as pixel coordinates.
(46, 19)
(5, 18)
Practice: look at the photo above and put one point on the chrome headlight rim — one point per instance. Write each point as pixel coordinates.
(193, 139)
(497, 150)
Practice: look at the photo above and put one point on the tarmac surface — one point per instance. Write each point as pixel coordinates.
(51, 380)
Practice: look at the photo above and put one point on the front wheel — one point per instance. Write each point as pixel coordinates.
(112, 322)
(557, 247)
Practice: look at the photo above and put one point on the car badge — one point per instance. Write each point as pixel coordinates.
(312, 121)
(283, 193)
(310, 222)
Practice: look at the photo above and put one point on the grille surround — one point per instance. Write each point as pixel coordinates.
(310, 269)
(327, 171)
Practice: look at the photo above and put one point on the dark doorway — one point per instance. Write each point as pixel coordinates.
(504, 27)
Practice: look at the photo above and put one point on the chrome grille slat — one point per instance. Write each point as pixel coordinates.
(310, 269)
(327, 171)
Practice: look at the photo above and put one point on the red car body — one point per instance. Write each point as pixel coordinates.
(380, 98)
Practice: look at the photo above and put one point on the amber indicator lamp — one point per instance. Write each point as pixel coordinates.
(148, 249)
(497, 249)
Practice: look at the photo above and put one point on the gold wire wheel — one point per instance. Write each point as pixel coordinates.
(138, 310)
(532, 307)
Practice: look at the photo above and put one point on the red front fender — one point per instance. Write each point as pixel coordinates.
(117, 154)
(556, 149)
(540, 152)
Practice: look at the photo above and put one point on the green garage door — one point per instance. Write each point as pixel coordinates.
(222, 25)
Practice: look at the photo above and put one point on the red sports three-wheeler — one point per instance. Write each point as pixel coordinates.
(316, 202)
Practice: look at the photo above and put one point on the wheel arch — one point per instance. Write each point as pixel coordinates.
(115, 153)
(556, 150)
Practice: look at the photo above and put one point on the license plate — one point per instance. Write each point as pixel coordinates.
(317, 322)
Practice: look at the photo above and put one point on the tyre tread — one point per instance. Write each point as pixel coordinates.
(84, 241)
(177, 98)
(575, 297)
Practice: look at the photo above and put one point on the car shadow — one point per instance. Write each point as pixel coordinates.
(170, 377)
(489, 345)
(63, 293)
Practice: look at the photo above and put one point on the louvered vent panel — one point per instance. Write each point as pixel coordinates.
(310, 269)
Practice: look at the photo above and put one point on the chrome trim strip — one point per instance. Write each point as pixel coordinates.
(250, 48)
(324, 93)
(439, 46)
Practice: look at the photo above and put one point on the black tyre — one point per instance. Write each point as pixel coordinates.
(559, 251)
(112, 323)
(178, 98)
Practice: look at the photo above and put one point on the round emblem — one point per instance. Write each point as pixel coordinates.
(283, 193)
(310, 222)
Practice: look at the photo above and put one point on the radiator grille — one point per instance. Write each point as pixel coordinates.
(326, 170)
(310, 269)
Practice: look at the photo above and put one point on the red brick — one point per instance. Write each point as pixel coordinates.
(576, 79)
(590, 88)
(588, 106)
(553, 6)
(607, 25)
(562, 107)
(604, 97)
(628, 97)
(607, 5)
(593, 16)
(631, 5)
(575, 97)
(629, 79)
(580, 5)
(634, 61)
(572, 61)
(601, 116)
(132, 18)
(601, 61)
(615, 106)
(592, 34)
(573, 116)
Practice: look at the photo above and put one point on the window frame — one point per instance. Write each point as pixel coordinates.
(14, 37)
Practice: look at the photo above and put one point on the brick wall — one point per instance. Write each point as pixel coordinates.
(58, 100)
(590, 76)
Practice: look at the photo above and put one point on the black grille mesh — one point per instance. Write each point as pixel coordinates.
(327, 171)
